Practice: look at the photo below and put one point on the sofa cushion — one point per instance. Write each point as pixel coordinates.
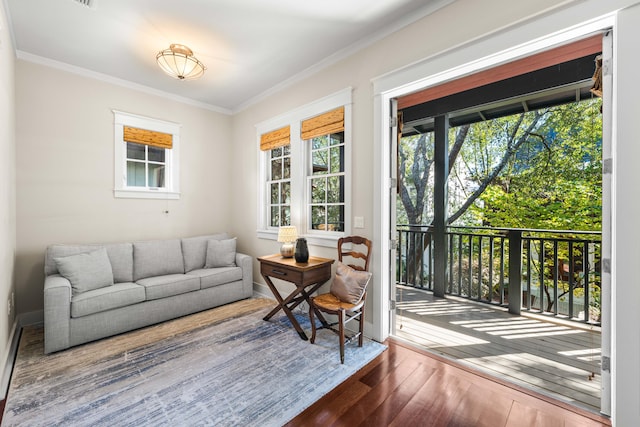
(86, 271)
(103, 299)
(194, 250)
(221, 253)
(169, 285)
(157, 258)
(120, 257)
(210, 277)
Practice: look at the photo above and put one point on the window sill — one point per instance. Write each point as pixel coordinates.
(146, 194)
(330, 241)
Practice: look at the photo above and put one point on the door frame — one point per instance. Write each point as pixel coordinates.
(431, 72)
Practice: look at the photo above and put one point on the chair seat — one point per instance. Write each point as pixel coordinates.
(332, 303)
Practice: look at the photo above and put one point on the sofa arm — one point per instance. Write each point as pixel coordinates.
(57, 313)
(246, 263)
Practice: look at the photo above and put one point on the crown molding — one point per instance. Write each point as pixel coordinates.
(25, 56)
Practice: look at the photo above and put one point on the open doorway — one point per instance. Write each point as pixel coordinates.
(522, 192)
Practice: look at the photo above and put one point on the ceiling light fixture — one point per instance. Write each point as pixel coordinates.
(178, 61)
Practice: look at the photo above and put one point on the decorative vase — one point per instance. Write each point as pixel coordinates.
(302, 250)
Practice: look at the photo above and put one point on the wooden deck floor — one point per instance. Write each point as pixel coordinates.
(558, 360)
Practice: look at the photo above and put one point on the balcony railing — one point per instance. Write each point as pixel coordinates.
(554, 272)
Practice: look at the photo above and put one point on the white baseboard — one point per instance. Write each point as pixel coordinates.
(262, 291)
(9, 358)
(31, 318)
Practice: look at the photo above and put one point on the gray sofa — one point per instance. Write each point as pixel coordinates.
(95, 291)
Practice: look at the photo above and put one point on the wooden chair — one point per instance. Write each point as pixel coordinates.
(330, 304)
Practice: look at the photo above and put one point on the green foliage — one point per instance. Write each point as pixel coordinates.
(541, 169)
(555, 180)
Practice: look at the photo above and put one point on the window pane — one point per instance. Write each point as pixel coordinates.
(156, 154)
(335, 193)
(320, 142)
(337, 159)
(318, 190)
(335, 218)
(135, 174)
(135, 151)
(287, 168)
(285, 215)
(286, 150)
(319, 160)
(275, 217)
(285, 195)
(274, 193)
(337, 138)
(276, 152)
(276, 169)
(156, 176)
(318, 218)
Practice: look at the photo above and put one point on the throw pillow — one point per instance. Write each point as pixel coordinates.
(349, 284)
(86, 271)
(221, 253)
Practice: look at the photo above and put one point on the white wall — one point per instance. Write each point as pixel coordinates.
(7, 184)
(65, 170)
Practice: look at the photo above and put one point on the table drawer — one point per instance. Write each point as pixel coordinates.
(281, 273)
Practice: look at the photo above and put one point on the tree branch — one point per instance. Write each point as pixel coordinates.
(512, 147)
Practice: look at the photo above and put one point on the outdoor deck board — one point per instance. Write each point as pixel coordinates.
(552, 358)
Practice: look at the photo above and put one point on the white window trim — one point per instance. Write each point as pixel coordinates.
(299, 166)
(172, 158)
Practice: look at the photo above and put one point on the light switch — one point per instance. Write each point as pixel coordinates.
(358, 222)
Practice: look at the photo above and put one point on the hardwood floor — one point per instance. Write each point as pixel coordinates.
(405, 386)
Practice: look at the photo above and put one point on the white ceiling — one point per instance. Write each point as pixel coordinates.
(250, 47)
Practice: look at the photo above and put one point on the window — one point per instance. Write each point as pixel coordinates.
(326, 182)
(304, 170)
(279, 184)
(146, 157)
(145, 166)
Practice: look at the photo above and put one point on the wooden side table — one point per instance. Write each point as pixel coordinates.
(307, 277)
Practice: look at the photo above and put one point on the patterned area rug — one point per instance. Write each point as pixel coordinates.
(222, 367)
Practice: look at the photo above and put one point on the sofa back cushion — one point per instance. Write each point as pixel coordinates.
(86, 271)
(194, 250)
(120, 257)
(157, 258)
(221, 253)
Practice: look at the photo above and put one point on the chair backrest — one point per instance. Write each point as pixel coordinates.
(354, 253)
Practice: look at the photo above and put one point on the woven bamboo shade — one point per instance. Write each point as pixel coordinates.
(148, 137)
(274, 139)
(324, 124)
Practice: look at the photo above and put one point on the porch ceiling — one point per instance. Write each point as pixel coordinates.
(557, 85)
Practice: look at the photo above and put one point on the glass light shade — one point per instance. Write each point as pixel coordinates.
(287, 235)
(178, 62)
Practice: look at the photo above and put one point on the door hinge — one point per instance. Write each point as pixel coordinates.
(392, 304)
(606, 364)
(393, 121)
(393, 182)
